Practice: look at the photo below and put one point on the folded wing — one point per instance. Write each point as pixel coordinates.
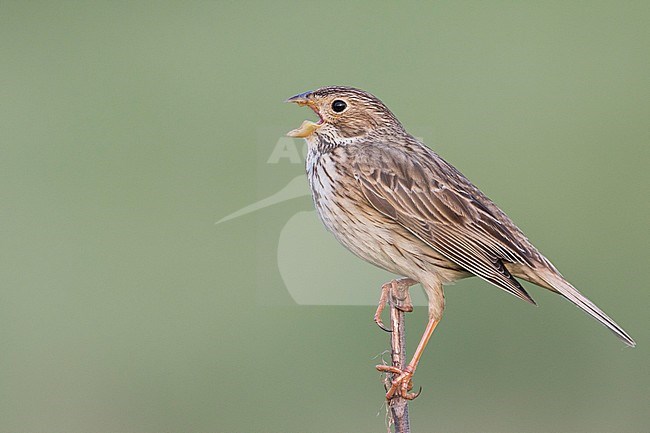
(438, 205)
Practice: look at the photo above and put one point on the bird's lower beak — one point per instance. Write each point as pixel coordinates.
(308, 127)
(305, 130)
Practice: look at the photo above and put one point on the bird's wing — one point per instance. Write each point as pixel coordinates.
(436, 203)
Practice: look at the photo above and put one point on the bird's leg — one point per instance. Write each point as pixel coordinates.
(399, 290)
(401, 385)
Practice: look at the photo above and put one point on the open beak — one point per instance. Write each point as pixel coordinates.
(308, 127)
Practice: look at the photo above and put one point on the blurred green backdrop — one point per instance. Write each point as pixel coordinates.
(128, 128)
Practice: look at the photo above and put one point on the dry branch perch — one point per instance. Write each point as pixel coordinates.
(398, 406)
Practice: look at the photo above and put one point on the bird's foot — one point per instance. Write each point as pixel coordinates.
(399, 297)
(402, 382)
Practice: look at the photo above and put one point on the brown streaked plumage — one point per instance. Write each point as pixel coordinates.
(395, 203)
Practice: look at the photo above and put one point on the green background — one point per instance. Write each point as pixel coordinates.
(128, 128)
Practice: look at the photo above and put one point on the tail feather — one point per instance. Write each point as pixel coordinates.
(564, 288)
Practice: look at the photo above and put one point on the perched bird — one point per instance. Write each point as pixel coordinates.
(395, 203)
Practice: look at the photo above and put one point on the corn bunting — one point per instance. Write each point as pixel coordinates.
(395, 203)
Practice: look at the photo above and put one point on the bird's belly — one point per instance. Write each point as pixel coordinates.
(369, 234)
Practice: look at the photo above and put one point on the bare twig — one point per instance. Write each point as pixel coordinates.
(398, 406)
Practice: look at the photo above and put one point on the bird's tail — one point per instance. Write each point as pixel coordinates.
(559, 285)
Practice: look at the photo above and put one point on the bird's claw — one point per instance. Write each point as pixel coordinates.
(398, 290)
(379, 323)
(401, 384)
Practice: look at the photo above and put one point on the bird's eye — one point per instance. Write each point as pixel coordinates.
(338, 106)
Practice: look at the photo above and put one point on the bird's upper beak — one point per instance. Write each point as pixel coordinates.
(308, 127)
(300, 99)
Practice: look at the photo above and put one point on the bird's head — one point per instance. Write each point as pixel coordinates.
(345, 113)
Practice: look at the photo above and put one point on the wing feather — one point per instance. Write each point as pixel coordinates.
(437, 204)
